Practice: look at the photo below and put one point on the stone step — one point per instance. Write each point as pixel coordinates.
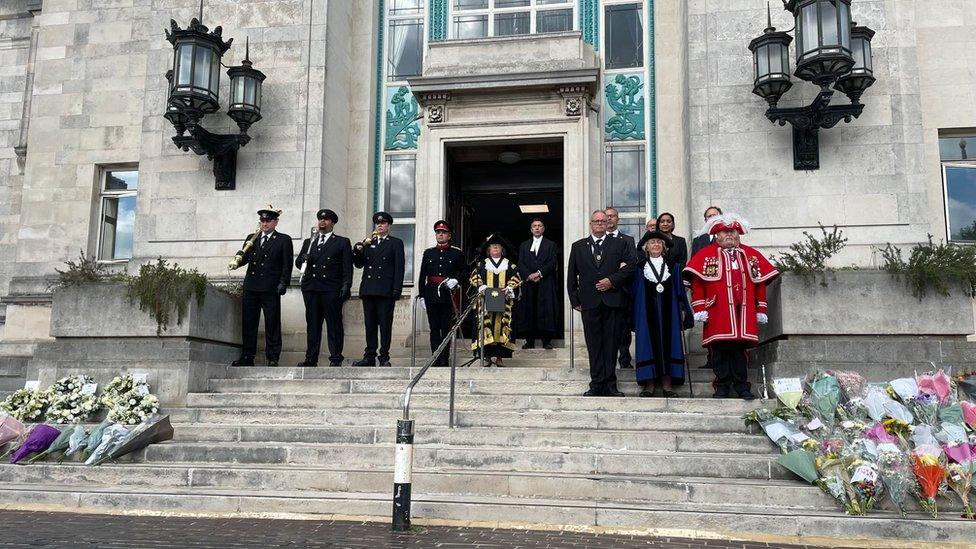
(646, 421)
(621, 488)
(499, 386)
(703, 520)
(373, 456)
(670, 441)
(474, 402)
(531, 372)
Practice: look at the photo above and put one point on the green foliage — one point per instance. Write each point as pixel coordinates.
(808, 257)
(79, 273)
(933, 266)
(161, 288)
(234, 289)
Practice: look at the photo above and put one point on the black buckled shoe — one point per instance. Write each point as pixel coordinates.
(243, 361)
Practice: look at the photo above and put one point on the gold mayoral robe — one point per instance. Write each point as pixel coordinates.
(496, 330)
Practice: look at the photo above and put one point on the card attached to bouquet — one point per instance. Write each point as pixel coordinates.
(141, 377)
(776, 431)
(142, 390)
(89, 388)
(32, 385)
(787, 385)
(815, 424)
(865, 473)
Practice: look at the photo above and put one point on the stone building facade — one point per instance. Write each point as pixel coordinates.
(478, 111)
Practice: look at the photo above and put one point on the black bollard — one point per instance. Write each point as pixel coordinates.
(402, 470)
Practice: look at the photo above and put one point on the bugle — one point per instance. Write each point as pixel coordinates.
(238, 258)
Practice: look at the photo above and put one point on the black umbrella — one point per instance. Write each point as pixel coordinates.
(151, 432)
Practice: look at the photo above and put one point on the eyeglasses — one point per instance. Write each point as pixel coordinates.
(598, 221)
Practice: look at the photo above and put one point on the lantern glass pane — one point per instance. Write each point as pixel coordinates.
(808, 21)
(868, 58)
(215, 77)
(828, 24)
(248, 91)
(184, 64)
(775, 59)
(845, 24)
(201, 68)
(237, 90)
(257, 94)
(762, 62)
(785, 51)
(858, 44)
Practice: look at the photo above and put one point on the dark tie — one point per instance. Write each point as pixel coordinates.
(264, 240)
(598, 250)
(321, 241)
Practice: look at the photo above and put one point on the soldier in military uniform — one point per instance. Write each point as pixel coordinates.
(268, 259)
(326, 265)
(440, 268)
(381, 258)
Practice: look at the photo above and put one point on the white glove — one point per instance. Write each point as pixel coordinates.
(451, 283)
(482, 288)
(762, 318)
(510, 293)
(422, 304)
(701, 317)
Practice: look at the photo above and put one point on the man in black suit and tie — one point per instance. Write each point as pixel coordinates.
(599, 267)
(536, 313)
(326, 265)
(268, 261)
(703, 240)
(623, 351)
(382, 261)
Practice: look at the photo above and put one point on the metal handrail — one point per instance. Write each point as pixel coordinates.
(440, 348)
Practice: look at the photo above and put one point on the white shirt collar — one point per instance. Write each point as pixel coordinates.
(267, 234)
(594, 238)
(613, 233)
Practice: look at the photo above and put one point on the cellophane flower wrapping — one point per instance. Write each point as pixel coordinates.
(925, 408)
(937, 384)
(76, 442)
(26, 405)
(959, 477)
(70, 402)
(112, 436)
(39, 439)
(875, 398)
(824, 397)
(851, 383)
(866, 481)
(897, 474)
(929, 466)
(10, 428)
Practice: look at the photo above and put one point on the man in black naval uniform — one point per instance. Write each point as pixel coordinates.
(440, 269)
(268, 261)
(382, 261)
(326, 265)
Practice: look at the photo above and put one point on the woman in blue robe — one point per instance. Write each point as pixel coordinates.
(661, 310)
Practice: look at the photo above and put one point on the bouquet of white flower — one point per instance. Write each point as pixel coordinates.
(26, 405)
(121, 385)
(134, 407)
(72, 399)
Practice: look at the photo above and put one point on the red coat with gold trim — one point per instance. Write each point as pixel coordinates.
(731, 286)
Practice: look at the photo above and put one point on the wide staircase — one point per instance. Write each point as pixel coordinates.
(527, 449)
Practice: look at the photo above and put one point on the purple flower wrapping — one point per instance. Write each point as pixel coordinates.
(40, 439)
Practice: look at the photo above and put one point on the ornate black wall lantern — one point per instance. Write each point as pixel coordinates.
(830, 50)
(194, 92)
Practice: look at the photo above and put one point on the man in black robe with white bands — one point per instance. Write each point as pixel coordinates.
(536, 314)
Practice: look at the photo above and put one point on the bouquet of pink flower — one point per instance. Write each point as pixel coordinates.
(969, 414)
(937, 384)
(851, 383)
(960, 473)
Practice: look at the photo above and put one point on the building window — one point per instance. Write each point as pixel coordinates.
(399, 199)
(624, 180)
(405, 50)
(407, 7)
(624, 36)
(484, 18)
(117, 214)
(958, 155)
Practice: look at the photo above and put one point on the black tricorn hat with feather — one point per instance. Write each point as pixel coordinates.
(495, 238)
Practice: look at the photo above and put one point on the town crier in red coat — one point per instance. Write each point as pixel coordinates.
(728, 294)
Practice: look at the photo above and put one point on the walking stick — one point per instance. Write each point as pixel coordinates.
(684, 352)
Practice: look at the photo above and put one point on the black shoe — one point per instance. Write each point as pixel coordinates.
(670, 394)
(243, 361)
(613, 393)
(647, 393)
(385, 363)
(747, 395)
(529, 345)
(306, 364)
(547, 346)
(627, 366)
(273, 363)
(592, 393)
(365, 362)
(721, 394)
(335, 364)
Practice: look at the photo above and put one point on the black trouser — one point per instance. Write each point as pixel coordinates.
(601, 329)
(439, 316)
(378, 315)
(624, 337)
(254, 303)
(730, 360)
(530, 316)
(323, 307)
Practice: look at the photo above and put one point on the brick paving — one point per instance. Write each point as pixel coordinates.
(40, 529)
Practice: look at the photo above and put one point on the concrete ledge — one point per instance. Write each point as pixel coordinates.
(103, 310)
(862, 303)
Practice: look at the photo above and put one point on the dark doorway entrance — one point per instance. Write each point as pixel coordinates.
(499, 188)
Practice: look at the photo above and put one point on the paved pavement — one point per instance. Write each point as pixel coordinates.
(38, 529)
